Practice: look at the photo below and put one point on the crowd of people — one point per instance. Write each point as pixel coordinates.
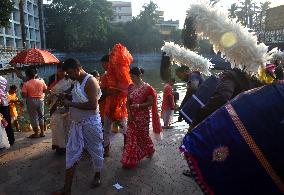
(86, 109)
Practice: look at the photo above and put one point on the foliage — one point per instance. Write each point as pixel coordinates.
(189, 36)
(85, 26)
(205, 47)
(141, 33)
(6, 7)
(249, 13)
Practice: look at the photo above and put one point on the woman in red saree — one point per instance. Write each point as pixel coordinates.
(141, 97)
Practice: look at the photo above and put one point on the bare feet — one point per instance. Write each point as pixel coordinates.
(96, 181)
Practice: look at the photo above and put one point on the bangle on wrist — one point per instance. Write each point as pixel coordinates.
(138, 105)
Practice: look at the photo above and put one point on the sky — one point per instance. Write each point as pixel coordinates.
(176, 10)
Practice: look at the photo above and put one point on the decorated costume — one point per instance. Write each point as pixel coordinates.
(118, 80)
(139, 143)
(233, 150)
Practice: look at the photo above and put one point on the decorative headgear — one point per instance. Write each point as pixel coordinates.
(183, 56)
(236, 44)
(119, 66)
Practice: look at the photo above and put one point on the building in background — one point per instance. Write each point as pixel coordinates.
(167, 27)
(274, 27)
(122, 11)
(26, 28)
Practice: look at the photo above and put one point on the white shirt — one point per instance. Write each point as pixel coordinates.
(3, 91)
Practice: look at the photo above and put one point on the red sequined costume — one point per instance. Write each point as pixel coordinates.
(118, 77)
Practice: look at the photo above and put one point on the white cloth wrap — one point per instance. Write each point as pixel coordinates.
(85, 132)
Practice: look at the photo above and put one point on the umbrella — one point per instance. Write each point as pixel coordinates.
(34, 56)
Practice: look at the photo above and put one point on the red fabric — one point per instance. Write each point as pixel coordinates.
(34, 56)
(118, 77)
(115, 106)
(197, 174)
(157, 128)
(138, 141)
(168, 98)
(103, 81)
(119, 66)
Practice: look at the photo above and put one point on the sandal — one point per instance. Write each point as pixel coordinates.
(34, 136)
(187, 173)
(42, 135)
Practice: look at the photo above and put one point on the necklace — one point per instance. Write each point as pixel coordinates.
(138, 85)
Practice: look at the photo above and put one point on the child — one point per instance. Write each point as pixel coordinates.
(168, 104)
(13, 101)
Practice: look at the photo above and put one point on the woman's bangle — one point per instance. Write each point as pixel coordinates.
(138, 106)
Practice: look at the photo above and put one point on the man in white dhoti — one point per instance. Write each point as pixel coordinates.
(59, 85)
(86, 129)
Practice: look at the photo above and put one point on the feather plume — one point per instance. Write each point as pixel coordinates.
(236, 44)
(183, 56)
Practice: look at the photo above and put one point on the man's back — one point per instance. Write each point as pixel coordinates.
(34, 88)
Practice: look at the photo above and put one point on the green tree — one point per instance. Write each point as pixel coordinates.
(84, 24)
(6, 7)
(232, 10)
(143, 32)
(205, 47)
(249, 13)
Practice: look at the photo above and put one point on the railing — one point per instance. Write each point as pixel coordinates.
(10, 49)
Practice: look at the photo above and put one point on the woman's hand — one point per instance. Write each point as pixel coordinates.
(130, 118)
(135, 106)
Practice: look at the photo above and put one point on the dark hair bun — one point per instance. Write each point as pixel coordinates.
(136, 71)
(141, 71)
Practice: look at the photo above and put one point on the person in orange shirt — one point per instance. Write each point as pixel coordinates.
(13, 102)
(168, 103)
(33, 90)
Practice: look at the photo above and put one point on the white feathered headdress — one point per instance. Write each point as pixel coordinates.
(184, 56)
(236, 44)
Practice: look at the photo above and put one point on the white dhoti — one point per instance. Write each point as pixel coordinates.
(86, 134)
(86, 131)
(60, 125)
